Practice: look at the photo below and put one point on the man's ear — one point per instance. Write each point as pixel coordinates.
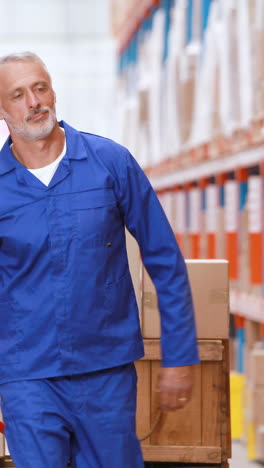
(1, 115)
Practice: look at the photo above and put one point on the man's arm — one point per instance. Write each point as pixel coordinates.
(147, 222)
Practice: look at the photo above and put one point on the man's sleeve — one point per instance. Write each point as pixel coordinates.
(147, 222)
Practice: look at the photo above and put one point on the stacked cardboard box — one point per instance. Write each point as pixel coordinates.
(179, 220)
(255, 398)
(260, 443)
(220, 238)
(135, 267)
(244, 281)
(188, 72)
(210, 290)
(252, 336)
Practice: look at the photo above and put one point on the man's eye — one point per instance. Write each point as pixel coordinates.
(17, 96)
(41, 89)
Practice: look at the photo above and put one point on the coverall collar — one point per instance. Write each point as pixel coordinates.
(75, 150)
(7, 160)
(75, 144)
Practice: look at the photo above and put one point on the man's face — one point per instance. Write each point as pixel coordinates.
(27, 100)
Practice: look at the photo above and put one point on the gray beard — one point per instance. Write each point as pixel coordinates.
(26, 131)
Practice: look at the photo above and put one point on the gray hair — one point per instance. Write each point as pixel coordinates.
(22, 57)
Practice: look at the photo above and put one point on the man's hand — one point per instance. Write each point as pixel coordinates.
(175, 387)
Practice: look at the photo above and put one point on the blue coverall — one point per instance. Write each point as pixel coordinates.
(69, 319)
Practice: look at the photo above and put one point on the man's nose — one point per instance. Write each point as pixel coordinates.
(32, 100)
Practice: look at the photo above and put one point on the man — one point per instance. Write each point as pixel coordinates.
(69, 324)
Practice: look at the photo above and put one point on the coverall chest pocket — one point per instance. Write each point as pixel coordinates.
(94, 212)
(8, 333)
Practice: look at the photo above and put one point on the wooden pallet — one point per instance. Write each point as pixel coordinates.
(177, 465)
(6, 462)
(198, 434)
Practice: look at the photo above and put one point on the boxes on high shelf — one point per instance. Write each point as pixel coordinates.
(209, 284)
(143, 105)
(121, 12)
(203, 233)
(220, 237)
(187, 78)
(244, 268)
(257, 31)
(217, 129)
(179, 220)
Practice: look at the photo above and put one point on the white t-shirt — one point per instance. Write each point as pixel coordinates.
(45, 173)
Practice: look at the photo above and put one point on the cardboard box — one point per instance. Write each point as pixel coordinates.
(244, 267)
(188, 66)
(210, 290)
(252, 339)
(260, 443)
(257, 405)
(135, 267)
(220, 235)
(252, 331)
(257, 367)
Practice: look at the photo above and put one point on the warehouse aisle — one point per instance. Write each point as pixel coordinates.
(239, 457)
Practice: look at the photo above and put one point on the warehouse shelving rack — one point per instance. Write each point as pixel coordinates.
(226, 173)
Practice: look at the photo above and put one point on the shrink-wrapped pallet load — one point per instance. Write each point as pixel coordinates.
(194, 227)
(255, 236)
(202, 124)
(180, 220)
(172, 92)
(244, 273)
(257, 57)
(143, 139)
(155, 51)
(245, 81)
(212, 206)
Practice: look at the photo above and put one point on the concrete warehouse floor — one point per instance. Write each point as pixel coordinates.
(239, 457)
